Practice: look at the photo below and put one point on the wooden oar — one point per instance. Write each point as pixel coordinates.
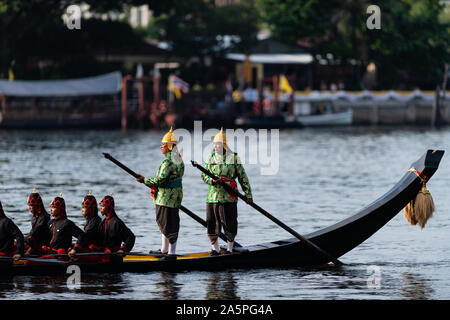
(183, 208)
(11, 259)
(37, 259)
(6, 258)
(83, 254)
(236, 193)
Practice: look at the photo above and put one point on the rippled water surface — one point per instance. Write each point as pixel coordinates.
(324, 176)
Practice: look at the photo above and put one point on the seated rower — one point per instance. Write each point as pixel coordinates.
(9, 233)
(117, 237)
(61, 229)
(92, 238)
(39, 234)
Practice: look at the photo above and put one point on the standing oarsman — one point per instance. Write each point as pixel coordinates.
(39, 234)
(61, 229)
(221, 207)
(167, 193)
(9, 233)
(92, 237)
(116, 236)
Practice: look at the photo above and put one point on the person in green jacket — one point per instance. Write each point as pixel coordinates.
(167, 193)
(221, 207)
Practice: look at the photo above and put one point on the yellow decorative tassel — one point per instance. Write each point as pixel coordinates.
(420, 209)
(423, 206)
(409, 213)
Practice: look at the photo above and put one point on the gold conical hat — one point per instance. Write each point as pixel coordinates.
(220, 137)
(169, 138)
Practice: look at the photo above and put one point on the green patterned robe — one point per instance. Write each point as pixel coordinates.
(168, 171)
(220, 167)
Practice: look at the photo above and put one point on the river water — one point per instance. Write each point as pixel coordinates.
(324, 176)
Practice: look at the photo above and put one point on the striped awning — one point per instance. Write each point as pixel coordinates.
(274, 58)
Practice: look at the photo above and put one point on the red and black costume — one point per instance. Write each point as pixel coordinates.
(9, 233)
(61, 230)
(92, 237)
(39, 233)
(115, 234)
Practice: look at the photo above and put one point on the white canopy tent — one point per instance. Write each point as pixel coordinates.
(105, 84)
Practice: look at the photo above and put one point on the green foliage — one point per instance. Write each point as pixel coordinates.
(195, 27)
(412, 43)
(291, 20)
(241, 20)
(33, 31)
(183, 25)
(411, 46)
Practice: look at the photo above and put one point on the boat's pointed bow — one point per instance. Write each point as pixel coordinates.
(345, 235)
(429, 162)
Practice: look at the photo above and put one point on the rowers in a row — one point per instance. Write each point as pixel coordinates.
(167, 193)
(53, 235)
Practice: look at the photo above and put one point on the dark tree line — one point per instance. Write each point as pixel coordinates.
(412, 45)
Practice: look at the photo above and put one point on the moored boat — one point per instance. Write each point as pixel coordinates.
(327, 119)
(337, 239)
(273, 122)
(320, 112)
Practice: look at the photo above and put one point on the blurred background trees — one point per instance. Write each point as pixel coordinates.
(410, 49)
(411, 46)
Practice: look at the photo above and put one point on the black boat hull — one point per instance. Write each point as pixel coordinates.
(337, 239)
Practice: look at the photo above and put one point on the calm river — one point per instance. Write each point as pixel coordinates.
(324, 176)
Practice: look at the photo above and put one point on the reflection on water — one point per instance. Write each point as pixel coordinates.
(38, 284)
(110, 284)
(221, 286)
(168, 288)
(6, 285)
(415, 287)
(325, 175)
(92, 284)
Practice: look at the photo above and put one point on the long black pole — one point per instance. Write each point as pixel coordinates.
(236, 193)
(183, 208)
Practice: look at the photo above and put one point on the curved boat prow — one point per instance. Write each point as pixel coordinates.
(336, 240)
(429, 162)
(343, 236)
